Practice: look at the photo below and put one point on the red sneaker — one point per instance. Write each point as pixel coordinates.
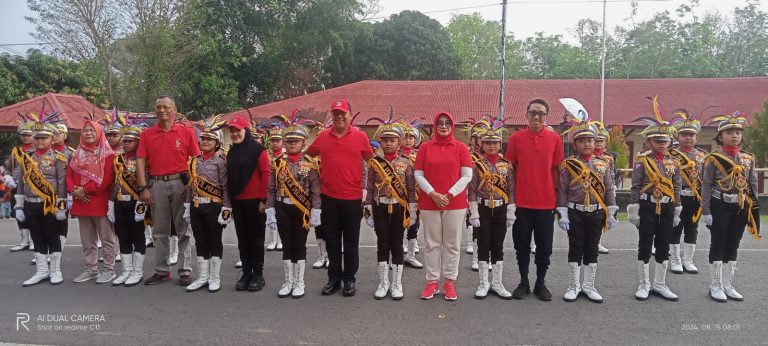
(450, 290)
(430, 290)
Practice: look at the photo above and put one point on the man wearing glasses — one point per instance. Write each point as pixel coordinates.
(536, 154)
(165, 148)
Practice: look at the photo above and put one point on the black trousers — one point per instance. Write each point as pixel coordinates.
(290, 225)
(63, 226)
(690, 207)
(728, 224)
(130, 233)
(341, 219)
(207, 230)
(413, 231)
(584, 235)
(491, 233)
(655, 230)
(389, 233)
(43, 229)
(249, 226)
(319, 233)
(539, 223)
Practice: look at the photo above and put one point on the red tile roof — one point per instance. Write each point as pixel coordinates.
(625, 99)
(73, 108)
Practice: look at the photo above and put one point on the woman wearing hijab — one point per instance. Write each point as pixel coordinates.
(247, 178)
(443, 169)
(90, 177)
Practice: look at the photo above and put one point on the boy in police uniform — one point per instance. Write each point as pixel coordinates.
(476, 130)
(729, 203)
(491, 195)
(276, 150)
(690, 159)
(654, 205)
(586, 202)
(391, 204)
(411, 141)
(601, 141)
(293, 204)
(27, 146)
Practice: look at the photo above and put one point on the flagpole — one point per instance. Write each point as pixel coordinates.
(602, 73)
(503, 59)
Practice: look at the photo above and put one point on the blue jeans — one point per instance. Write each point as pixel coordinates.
(5, 210)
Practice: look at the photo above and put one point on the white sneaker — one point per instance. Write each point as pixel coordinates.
(87, 275)
(106, 276)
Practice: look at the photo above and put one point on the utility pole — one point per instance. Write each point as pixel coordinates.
(503, 60)
(602, 73)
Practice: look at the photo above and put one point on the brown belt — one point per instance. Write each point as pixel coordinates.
(168, 177)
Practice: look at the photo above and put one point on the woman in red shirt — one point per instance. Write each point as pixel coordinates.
(443, 169)
(90, 177)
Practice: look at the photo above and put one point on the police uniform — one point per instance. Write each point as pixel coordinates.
(322, 260)
(729, 204)
(275, 133)
(410, 243)
(491, 195)
(691, 164)
(293, 206)
(654, 207)
(586, 202)
(24, 129)
(605, 135)
(208, 207)
(40, 199)
(475, 129)
(67, 151)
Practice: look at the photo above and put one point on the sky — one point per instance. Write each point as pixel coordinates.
(524, 17)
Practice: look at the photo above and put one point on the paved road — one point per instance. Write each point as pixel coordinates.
(165, 314)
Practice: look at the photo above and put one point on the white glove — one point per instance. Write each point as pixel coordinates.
(186, 216)
(511, 208)
(225, 216)
(633, 211)
(706, 218)
(314, 217)
(271, 219)
(20, 215)
(69, 202)
(474, 215)
(611, 218)
(412, 208)
(111, 211)
(564, 222)
(369, 220)
(678, 210)
(61, 215)
(19, 201)
(140, 211)
(61, 209)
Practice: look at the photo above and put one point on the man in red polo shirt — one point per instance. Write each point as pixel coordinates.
(536, 153)
(341, 148)
(165, 148)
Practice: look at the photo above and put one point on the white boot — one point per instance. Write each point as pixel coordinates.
(31, 244)
(410, 256)
(288, 270)
(214, 275)
(272, 240)
(688, 266)
(279, 245)
(298, 278)
(323, 259)
(474, 258)
(716, 282)
(239, 264)
(24, 241)
(55, 268)
(574, 283)
(173, 250)
(127, 268)
(644, 287)
(588, 287)
(41, 263)
(497, 286)
(405, 244)
(203, 266)
(383, 288)
(675, 263)
(483, 286)
(602, 249)
(397, 282)
(137, 274)
(729, 270)
(416, 245)
(148, 236)
(659, 282)
(470, 242)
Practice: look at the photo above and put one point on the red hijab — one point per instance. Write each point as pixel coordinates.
(89, 160)
(449, 139)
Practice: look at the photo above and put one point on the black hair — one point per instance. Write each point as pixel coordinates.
(719, 138)
(538, 101)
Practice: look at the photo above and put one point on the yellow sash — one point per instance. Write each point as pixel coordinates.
(590, 182)
(692, 179)
(662, 186)
(35, 179)
(392, 181)
(734, 176)
(125, 179)
(497, 182)
(288, 184)
(203, 187)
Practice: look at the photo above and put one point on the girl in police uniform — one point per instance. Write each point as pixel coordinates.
(413, 136)
(208, 207)
(729, 203)
(41, 198)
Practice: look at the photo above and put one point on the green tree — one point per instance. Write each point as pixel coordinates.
(757, 135)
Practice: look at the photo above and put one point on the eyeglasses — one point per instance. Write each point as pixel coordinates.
(163, 107)
(443, 124)
(89, 130)
(539, 114)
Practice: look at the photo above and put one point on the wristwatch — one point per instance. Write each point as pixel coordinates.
(142, 188)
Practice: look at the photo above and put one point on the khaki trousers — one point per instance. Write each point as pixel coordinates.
(168, 207)
(91, 229)
(442, 231)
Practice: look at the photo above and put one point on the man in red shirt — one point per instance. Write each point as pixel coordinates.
(341, 150)
(165, 148)
(536, 153)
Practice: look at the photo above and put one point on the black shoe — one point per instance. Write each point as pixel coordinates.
(257, 283)
(331, 287)
(541, 291)
(521, 291)
(242, 283)
(349, 289)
